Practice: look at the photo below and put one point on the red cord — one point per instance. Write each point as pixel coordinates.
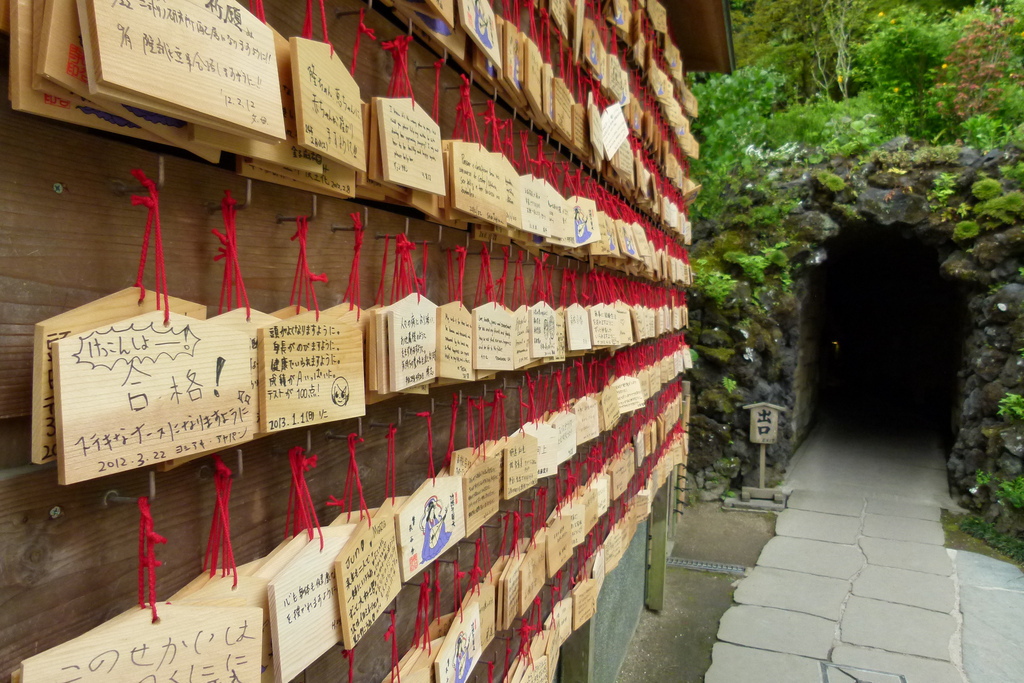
(152, 202)
(148, 563)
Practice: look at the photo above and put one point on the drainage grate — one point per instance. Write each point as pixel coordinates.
(701, 566)
(840, 673)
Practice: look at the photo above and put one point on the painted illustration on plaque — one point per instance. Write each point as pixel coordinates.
(435, 534)
(583, 231)
(482, 25)
(462, 661)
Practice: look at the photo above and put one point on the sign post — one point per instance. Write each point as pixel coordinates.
(764, 429)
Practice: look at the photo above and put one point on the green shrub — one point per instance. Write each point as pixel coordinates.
(715, 285)
(729, 383)
(1007, 545)
(1014, 173)
(1011, 491)
(753, 265)
(1012, 406)
(986, 189)
(1006, 209)
(966, 230)
(943, 187)
(830, 181)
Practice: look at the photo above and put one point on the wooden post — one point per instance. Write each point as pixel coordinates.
(578, 655)
(760, 474)
(657, 553)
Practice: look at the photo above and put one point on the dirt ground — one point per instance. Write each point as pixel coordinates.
(674, 645)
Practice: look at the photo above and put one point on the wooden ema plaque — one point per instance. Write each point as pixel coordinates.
(333, 179)
(558, 546)
(110, 309)
(412, 341)
(367, 574)
(305, 619)
(462, 646)
(588, 419)
(629, 394)
(481, 487)
(533, 71)
(621, 470)
(604, 325)
(577, 328)
(532, 571)
(410, 145)
(135, 393)
(431, 521)
(477, 19)
(520, 463)
(210, 63)
(493, 337)
(310, 373)
(559, 356)
(328, 108)
(520, 337)
(455, 342)
(477, 184)
(223, 641)
(535, 211)
(564, 424)
(547, 446)
(584, 602)
(563, 108)
(487, 594)
(543, 339)
(511, 191)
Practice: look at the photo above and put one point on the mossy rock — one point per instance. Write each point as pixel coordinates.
(830, 181)
(715, 400)
(717, 356)
(986, 189)
(1006, 209)
(966, 230)
(715, 338)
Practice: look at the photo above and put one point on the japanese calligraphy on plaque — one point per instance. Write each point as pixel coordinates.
(310, 373)
(429, 522)
(135, 393)
(222, 641)
(764, 422)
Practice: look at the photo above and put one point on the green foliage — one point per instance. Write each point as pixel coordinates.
(729, 383)
(985, 132)
(715, 285)
(1006, 209)
(1014, 173)
(1007, 545)
(943, 187)
(753, 265)
(966, 230)
(899, 63)
(986, 189)
(830, 181)
(1011, 491)
(983, 478)
(1012, 406)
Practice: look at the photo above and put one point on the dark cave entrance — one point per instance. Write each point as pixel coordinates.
(891, 329)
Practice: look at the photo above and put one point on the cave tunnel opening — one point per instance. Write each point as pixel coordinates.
(891, 331)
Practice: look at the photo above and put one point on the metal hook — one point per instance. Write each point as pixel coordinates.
(122, 188)
(311, 216)
(214, 207)
(341, 228)
(112, 497)
(239, 469)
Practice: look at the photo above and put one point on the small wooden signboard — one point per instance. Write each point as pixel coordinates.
(764, 429)
(429, 522)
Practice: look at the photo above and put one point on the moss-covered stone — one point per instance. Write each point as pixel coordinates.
(1006, 209)
(715, 400)
(830, 181)
(717, 356)
(715, 338)
(966, 230)
(986, 189)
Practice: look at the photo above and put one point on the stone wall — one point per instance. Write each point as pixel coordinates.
(758, 340)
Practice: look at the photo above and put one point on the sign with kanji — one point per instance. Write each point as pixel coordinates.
(764, 422)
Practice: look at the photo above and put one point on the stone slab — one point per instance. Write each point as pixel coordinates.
(902, 508)
(987, 572)
(904, 529)
(896, 628)
(777, 630)
(794, 591)
(918, 557)
(916, 669)
(731, 663)
(812, 557)
(818, 501)
(917, 589)
(993, 633)
(818, 526)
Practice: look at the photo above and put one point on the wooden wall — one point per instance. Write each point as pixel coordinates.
(67, 563)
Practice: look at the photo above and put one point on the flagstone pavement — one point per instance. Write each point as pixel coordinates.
(857, 586)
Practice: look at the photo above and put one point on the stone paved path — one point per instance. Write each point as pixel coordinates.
(857, 575)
